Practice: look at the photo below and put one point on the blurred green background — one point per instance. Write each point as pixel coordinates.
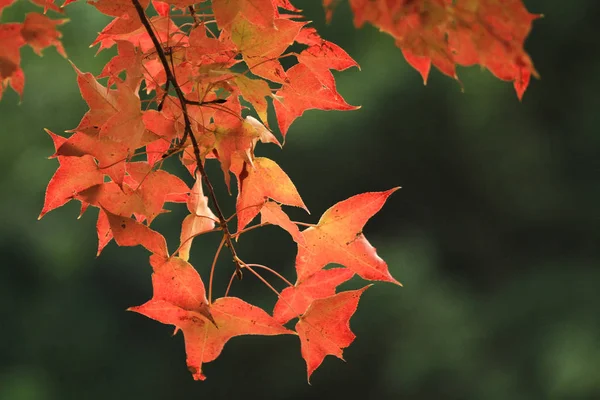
(494, 235)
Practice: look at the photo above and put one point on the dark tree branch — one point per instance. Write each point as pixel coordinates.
(188, 133)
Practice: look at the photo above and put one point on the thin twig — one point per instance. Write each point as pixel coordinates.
(204, 103)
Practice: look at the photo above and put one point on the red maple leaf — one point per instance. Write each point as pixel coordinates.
(11, 73)
(5, 3)
(179, 299)
(338, 238)
(263, 180)
(322, 55)
(200, 220)
(261, 46)
(129, 60)
(73, 175)
(325, 327)
(257, 12)
(294, 300)
(129, 232)
(40, 32)
(272, 213)
(446, 33)
(304, 91)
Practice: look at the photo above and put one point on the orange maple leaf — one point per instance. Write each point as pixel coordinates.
(73, 175)
(200, 220)
(263, 180)
(304, 91)
(179, 299)
(294, 300)
(338, 238)
(325, 327)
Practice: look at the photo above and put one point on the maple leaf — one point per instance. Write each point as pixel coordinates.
(152, 190)
(48, 5)
(338, 238)
(126, 126)
(5, 3)
(123, 9)
(129, 59)
(122, 201)
(119, 200)
(179, 299)
(127, 19)
(306, 91)
(264, 180)
(262, 46)
(11, 73)
(204, 340)
(40, 32)
(207, 50)
(294, 300)
(200, 220)
(129, 232)
(163, 123)
(174, 280)
(492, 34)
(161, 8)
(445, 33)
(256, 12)
(73, 175)
(234, 136)
(322, 55)
(167, 33)
(325, 330)
(286, 5)
(155, 188)
(112, 129)
(272, 213)
(103, 102)
(255, 91)
(111, 155)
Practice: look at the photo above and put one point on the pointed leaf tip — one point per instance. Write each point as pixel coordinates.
(317, 337)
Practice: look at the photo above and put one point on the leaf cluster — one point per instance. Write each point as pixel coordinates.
(194, 81)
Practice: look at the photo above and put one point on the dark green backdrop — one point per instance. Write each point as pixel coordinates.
(494, 235)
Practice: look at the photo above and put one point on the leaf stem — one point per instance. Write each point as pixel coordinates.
(263, 280)
(303, 224)
(229, 285)
(245, 208)
(212, 270)
(198, 234)
(237, 234)
(271, 271)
